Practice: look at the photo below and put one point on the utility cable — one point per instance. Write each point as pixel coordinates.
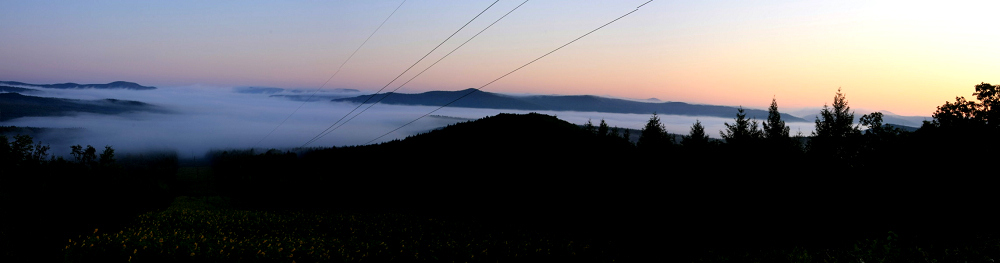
(331, 77)
(422, 72)
(397, 77)
(508, 73)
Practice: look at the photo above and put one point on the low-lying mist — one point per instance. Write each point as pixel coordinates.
(204, 118)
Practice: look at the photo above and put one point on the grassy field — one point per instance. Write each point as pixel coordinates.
(201, 227)
(203, 230)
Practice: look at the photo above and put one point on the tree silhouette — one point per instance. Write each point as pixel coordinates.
(743, 132)
(775, 130)
(22, 151)
(963, 128)
(835, 134)
(86, 156)
(838, 122)
(108, 156)
(654, 135)
(970, 114)
(602, 129)
(697, 137)
(589, 127)
(876, 127)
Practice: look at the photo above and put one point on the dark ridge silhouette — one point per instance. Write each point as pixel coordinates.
(112, 85)
(14, 105)
(257, 90)
(303, 97)
(482, 99)
(34, 132)
(272, 90)
(16, 89)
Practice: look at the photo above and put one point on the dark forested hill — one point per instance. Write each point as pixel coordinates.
(482, 99)
(14, 105)
(112, 85)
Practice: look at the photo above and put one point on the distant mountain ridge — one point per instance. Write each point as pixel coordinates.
(273, 90)
(112, 85)
(14, 105)
(482, 99)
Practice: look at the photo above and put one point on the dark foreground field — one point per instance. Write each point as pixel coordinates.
(207, 228)
(509, 188)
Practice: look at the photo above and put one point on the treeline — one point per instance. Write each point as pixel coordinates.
(959, 131)
(45, 198)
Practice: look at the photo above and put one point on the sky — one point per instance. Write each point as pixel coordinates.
(904, 57)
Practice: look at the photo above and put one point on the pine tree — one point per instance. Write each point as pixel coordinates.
(836, 135)
(654, 135)
(697, 137)
(602, 129)
(743, 132)
(589, 127)
(775, 130)
(837, 123)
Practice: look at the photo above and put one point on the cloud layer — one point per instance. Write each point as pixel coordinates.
(211, 118)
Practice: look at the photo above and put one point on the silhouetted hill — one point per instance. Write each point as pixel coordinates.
(482, 99)
(112, 85)
(14, 105)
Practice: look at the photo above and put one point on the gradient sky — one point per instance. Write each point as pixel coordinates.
(906, 57)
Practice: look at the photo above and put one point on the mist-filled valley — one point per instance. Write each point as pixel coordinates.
(498, 131)
(594, 186)
(193, 120)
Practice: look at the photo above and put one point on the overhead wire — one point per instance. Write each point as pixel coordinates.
(422, 72)
(331, 77)
(508, 73)
(397, 77)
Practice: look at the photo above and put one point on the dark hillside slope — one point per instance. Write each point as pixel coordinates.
(499, 160)
(512, 168)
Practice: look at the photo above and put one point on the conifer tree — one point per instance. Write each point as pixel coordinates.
(836, 135)
(589, 127)
(602, 129)
(743, 131)
(697, 137)
(775, 130)
(838, 122)
(654, 135)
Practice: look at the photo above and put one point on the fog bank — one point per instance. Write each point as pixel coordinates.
(205, 118)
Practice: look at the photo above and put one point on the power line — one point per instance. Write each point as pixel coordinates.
(511, 72)
(334, 74)
(422, 72)
(397, 77)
